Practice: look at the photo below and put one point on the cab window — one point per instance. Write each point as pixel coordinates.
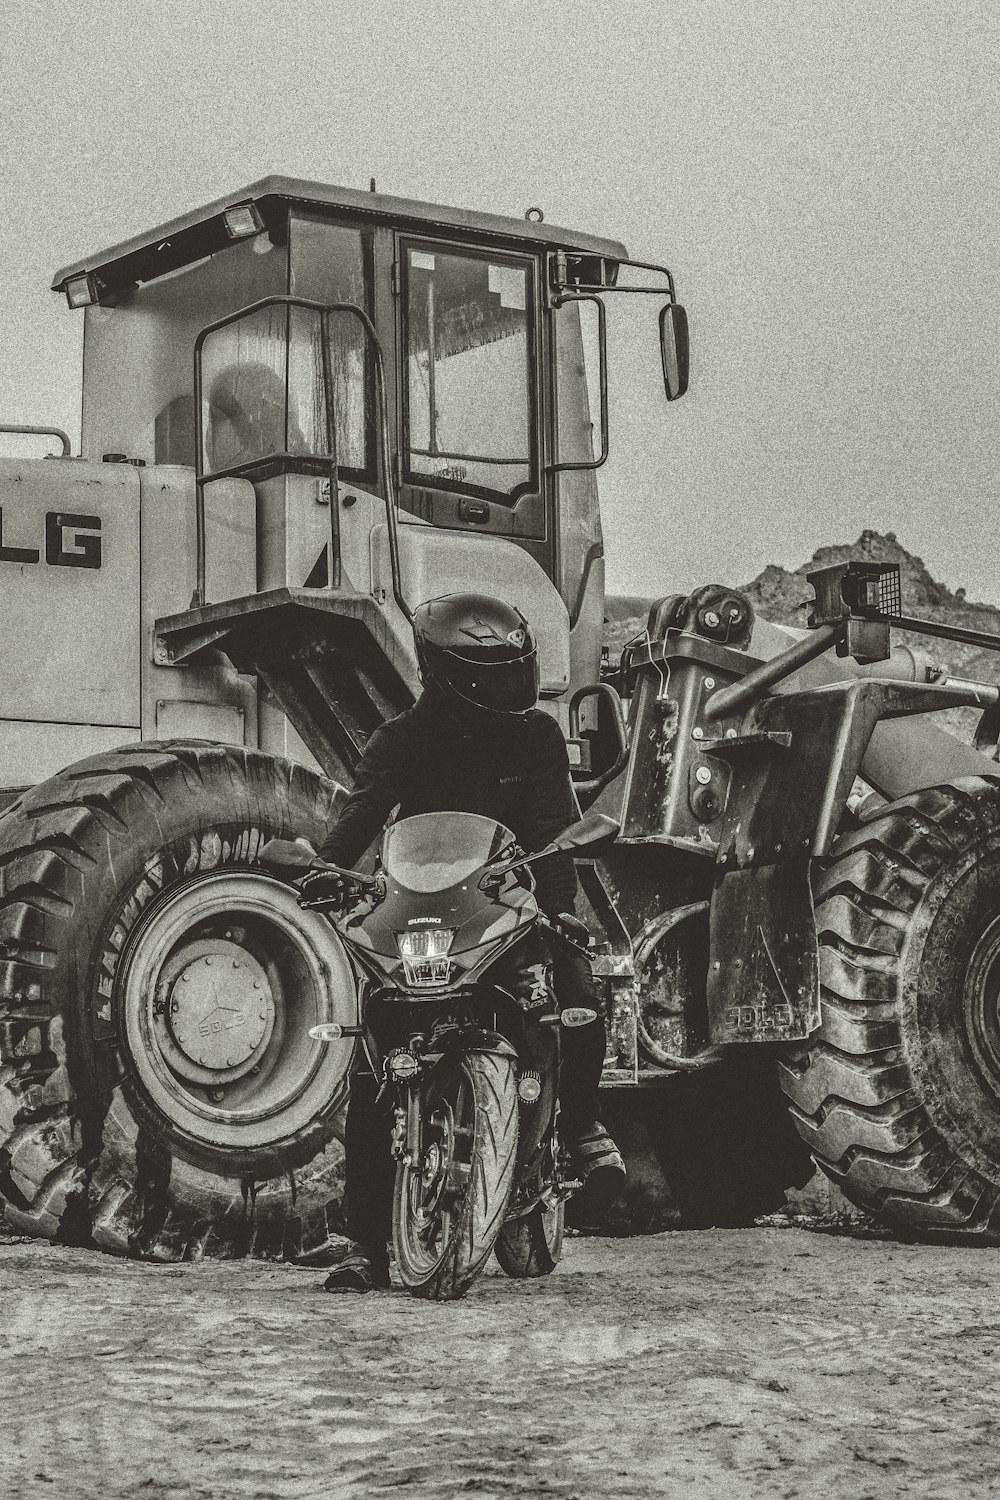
(469, 388)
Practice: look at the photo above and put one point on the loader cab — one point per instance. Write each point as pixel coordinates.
(405, 387)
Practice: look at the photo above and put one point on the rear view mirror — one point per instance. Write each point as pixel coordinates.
(674, 347)
(594, 828)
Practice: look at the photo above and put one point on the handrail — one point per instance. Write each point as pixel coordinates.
(325, 310)
(55, 432)
(602, 350)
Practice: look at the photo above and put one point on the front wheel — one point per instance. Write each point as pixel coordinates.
(898, 1092)
(448, 1208)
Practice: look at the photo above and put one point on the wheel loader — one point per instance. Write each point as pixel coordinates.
(306, 409)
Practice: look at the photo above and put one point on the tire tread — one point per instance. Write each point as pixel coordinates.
(850, 1089)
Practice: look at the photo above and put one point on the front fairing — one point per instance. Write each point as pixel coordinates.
(484, 922)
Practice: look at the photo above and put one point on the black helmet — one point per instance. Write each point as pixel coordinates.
(473, 647)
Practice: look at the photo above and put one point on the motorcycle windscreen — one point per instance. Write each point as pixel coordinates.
(433, 851)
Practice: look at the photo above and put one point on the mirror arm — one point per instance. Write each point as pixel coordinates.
(497, 872)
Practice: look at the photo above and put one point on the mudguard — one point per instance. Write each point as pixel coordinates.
(793, 765)
(477, 1039)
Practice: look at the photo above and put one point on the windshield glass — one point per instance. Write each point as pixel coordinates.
(469, 396)
(436, 850)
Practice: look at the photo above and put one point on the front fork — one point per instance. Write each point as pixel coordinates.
(407, 1127)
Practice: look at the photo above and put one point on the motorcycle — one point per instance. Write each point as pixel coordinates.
(470, 1059)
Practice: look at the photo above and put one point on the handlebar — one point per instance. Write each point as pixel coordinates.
(293, 861)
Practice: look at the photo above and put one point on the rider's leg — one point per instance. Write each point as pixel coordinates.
(595, 1154)
(595, 1157)
(369, 1170)
(583, 1047)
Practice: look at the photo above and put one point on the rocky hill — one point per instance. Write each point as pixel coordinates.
(784, 596)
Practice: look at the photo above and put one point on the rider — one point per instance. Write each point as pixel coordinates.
(475, 742)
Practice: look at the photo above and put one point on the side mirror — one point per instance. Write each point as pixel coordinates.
(674, 349)
(594, 828)
(287, 860)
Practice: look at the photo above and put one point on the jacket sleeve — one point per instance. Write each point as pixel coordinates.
(554, 808)
(377, 790)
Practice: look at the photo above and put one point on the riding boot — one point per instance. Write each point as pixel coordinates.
(363, 1263)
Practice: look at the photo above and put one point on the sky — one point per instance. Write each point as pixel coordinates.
(821, 178)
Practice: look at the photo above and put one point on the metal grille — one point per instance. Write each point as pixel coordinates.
(874, 590)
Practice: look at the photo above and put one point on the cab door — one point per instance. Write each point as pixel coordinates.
(471, 394)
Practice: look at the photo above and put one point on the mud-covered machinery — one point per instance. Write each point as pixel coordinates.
(305, 410)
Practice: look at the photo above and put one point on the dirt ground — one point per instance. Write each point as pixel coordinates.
(764, 1362)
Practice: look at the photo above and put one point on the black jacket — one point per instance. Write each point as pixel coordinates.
(430, 759)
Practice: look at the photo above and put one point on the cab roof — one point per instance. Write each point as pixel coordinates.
(202, 231)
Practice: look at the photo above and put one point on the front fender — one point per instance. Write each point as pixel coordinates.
(793, 765)
(477, 1039)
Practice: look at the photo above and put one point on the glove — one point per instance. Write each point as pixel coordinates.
(325, 890)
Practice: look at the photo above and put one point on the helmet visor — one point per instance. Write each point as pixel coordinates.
(509, 687)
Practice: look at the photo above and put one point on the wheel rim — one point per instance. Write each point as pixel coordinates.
(220, 986)
(433, 1194)
(982, 1006)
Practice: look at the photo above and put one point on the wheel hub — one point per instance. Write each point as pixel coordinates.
(218, 1010)
(207, 961)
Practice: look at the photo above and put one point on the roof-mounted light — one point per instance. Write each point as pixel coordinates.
(82, 290)
(242, 220)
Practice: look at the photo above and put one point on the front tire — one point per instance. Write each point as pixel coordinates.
(448, 1212)
(898, 1092)
(159, 1094)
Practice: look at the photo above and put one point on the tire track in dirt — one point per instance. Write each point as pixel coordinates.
(734, 1363)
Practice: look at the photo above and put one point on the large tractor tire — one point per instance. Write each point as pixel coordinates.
(898, 1092)
(159, 1093)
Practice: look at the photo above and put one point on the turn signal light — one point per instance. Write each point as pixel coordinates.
(578, 1015)
(327, 1031)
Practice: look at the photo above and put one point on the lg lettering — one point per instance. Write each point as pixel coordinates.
(71, 541)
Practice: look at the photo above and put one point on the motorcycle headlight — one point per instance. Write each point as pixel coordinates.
(424, 952)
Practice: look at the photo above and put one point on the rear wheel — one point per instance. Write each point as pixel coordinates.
(448, 1209)
(159, 1093)
(898, 1092)
(532, 1245)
